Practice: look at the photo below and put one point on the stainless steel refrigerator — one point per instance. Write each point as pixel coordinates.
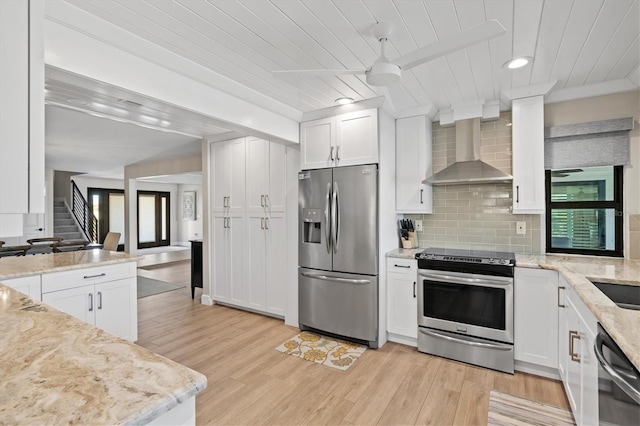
(338, 252)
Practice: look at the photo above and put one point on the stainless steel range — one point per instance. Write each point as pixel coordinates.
(465, 306)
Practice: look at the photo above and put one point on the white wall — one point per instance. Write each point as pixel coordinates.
(189, 229)
(84, 183)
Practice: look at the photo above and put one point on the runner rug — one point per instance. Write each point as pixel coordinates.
(323, 350)
(149, 286)
(509, 410)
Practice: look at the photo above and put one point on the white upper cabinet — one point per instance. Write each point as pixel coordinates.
(228, 175)
(344, 140)
(413, 165)
(21, 108)
(266, 175)
(528, 155)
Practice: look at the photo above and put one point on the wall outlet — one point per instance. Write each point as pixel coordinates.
(418, 225)
(521, 228)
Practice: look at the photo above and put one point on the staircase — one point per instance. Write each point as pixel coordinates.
(64, 226)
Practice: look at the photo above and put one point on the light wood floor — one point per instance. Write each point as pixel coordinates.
(251, 383)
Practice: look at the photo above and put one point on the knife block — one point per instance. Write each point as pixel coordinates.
(411, 242)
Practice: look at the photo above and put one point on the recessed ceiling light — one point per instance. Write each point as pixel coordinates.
(518, 62)
(344, 101)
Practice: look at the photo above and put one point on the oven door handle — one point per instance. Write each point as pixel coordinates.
(464, 341)
(617, 378)
(463, 280)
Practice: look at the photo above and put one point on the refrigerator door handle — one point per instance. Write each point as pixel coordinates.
(327, 219)
(335, 216)
(335, 279)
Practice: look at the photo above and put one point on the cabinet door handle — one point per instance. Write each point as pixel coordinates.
(331, 153)
(266, 200)
(86, 277)
(517, 193)
(262, 200)
(402, 266)
(90, 302)
(421, 191)
(262, 223)
(99, 300)
(572, 336)
(266, 223)
(414, 289)
(559, 304)
(338, 153)
(229, 222)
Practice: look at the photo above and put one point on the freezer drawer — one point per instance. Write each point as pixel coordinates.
(337, 303)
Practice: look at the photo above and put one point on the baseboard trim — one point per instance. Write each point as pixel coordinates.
(404, 340)
(538, 370)
(206, 300)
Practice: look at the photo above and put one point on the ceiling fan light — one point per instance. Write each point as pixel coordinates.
(344, 100)
(383, 74)
(516, 63)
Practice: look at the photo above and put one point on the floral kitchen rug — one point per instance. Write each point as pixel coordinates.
(322, 350)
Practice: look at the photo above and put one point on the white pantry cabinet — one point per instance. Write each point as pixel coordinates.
(413, 165)
(266, 175)
(528, 155)
(104, 296)
(28, 285)
(253, 234)
(536, 300)
(343, 140)
(578, 365)
(229, 181)
(21, 111)
(402, 308)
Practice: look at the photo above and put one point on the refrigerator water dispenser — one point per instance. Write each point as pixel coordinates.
(312, 226)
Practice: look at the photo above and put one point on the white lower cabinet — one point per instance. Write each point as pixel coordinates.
(577, 363)
(105, 297)
(536, 299)
(402, 308)
(27, 285)
(229, 245)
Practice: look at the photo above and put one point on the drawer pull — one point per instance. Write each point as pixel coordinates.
(86, 277)
(90, 302)
(560, 305)
(402, 266)
(414, 289)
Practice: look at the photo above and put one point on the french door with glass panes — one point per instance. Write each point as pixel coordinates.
(107, 205)
(153, 219)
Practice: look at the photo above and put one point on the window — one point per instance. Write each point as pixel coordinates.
(584, 211)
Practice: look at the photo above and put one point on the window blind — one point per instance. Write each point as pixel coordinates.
(599, 143)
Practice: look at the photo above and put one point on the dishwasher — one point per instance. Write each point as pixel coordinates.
(618, 383)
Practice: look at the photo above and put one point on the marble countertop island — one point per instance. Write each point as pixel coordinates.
(56, 369)
(20, 266)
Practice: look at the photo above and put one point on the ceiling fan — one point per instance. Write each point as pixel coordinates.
(384, 72)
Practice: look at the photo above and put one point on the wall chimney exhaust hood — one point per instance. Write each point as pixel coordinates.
(468, 167)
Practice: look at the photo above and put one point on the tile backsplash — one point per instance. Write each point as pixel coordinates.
(477, 217)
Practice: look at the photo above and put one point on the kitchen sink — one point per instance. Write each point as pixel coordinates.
(625, 296)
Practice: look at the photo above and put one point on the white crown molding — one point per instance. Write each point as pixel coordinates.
(376, 102)
(591, 91)
(528, 91)
(483, 110)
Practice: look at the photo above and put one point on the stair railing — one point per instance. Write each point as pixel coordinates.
(83, 214)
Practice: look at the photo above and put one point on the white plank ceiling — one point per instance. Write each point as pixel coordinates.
(580, 43)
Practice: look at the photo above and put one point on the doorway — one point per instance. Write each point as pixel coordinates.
(153, 215)
(107, 205)
(153, 219)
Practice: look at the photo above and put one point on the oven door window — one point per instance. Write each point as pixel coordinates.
(465, 304)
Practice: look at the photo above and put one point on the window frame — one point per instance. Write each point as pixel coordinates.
(616, 204)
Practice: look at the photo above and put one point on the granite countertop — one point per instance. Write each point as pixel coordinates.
(402, 253)
(20, 266)
(622, 324)
(56, 369)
